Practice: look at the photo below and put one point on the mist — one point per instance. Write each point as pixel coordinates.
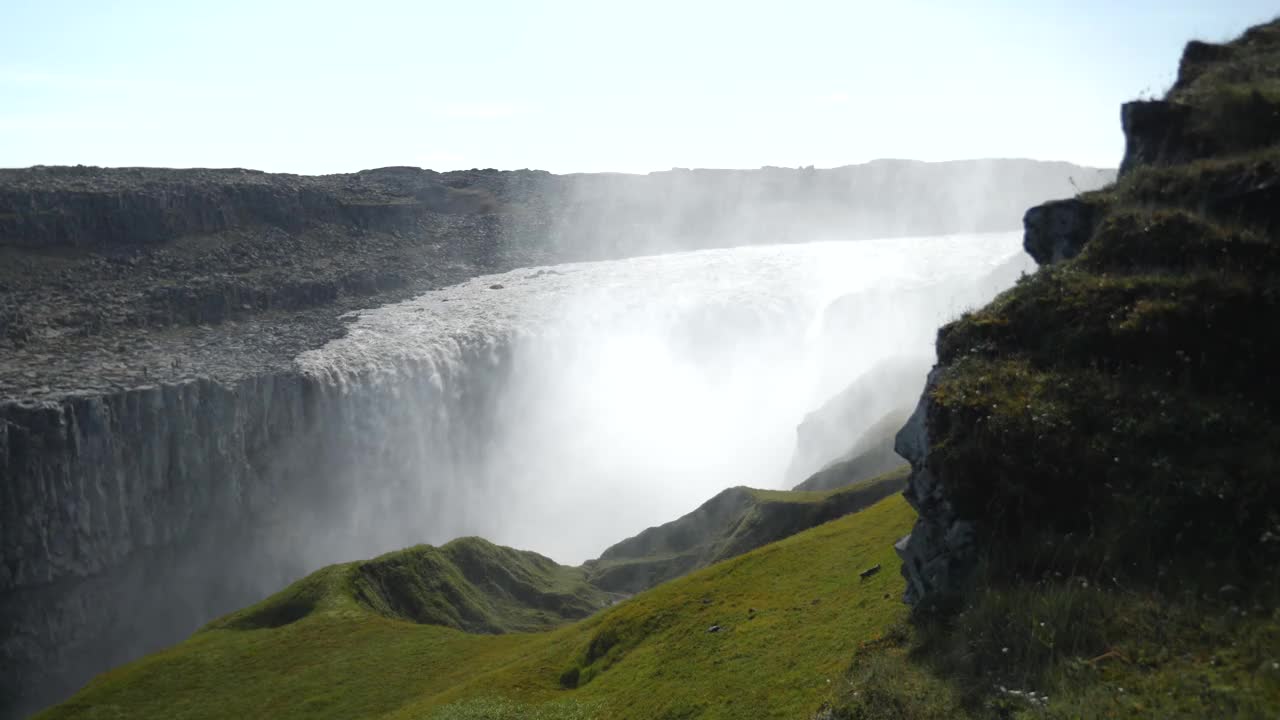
(601, 398)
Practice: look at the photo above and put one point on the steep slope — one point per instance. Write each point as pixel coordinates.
(735, 521)
(850, 422)
(785, 618)
(871, 455)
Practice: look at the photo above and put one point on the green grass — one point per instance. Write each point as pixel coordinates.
(790, 614)
(801, 635)
(1087, 650)
(469, 584)
(492, 708)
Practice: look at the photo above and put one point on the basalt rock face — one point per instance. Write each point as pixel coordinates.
(80, 471)
(1197, 57)
(98, 490)
(940, 548)
(131, 519)
(114, 208)
(1156, 131)
(1057, 230)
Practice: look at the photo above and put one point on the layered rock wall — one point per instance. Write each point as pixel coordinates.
(130, 519)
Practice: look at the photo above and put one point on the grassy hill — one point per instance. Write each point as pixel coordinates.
(468, 584)
(788, 614)
(735, 521)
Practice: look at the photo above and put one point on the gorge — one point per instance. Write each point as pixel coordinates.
(186, 429)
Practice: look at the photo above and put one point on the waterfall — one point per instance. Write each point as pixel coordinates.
(555, 409)
(560, 409)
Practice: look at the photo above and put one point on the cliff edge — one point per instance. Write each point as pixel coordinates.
(1094, 457)
(1119, 405)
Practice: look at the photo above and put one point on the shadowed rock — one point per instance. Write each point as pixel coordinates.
(1058, 230)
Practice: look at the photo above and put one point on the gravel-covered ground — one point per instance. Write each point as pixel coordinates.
(96, 308)
(114, 278)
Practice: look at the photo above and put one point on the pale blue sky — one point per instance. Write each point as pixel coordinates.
(319, 86)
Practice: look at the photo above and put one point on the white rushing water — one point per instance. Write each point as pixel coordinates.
(570, 407)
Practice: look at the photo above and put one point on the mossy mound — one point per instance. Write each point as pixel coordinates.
(469, 584)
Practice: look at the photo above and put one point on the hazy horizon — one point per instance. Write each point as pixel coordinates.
(872, 161)
(568, 87)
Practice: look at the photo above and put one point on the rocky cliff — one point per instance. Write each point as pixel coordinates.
(857, 420)
(1114, 415)
(129, 519)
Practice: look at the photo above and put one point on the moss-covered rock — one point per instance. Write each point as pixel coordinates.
(1117, 411)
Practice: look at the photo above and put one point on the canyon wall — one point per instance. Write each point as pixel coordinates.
(131, 519)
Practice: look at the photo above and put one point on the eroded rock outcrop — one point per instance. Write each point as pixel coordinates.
(1058, 230)
(939, 550)
(1156, 131)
